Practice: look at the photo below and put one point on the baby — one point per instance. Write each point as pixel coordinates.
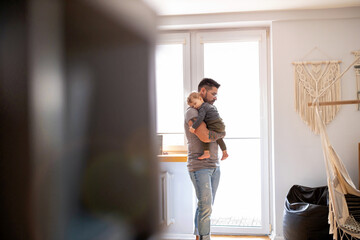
(209, 114)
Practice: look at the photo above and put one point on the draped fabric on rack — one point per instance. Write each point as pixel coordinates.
(344, 198)
(313, 79)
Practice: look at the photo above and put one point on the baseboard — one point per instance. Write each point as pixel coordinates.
(168, 236)
(192, 237)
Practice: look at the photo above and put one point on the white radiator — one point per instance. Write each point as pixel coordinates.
(166, 204)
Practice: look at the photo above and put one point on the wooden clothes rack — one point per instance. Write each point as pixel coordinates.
(337, 103)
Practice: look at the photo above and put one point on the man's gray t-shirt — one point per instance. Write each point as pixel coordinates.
(196, 149)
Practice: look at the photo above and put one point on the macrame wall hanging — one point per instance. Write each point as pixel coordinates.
(312, 79)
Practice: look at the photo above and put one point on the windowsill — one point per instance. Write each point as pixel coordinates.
(173, 158)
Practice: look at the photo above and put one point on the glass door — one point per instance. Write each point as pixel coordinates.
(237, 60)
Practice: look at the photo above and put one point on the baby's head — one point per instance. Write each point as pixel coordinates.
(195, 100)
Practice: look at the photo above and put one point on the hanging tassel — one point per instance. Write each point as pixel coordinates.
(310, 80)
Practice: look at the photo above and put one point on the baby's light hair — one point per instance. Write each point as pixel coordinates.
(193, 95)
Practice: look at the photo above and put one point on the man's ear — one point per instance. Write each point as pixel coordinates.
(202, 91)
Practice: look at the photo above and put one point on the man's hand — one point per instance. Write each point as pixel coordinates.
(192, 130)
(201, 132)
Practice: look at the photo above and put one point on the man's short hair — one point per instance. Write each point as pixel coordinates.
(208, 83)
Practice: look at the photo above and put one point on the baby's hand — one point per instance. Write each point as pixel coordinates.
(191, 129)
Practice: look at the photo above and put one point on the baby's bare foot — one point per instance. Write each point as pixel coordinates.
(225, 155)
(205, 155)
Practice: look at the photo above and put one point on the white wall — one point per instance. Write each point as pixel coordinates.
(297, 151)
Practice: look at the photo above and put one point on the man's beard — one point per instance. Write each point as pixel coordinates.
(211, 102)
(206, 100)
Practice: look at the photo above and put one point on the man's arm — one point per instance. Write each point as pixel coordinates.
(201, 132)
(204, 134)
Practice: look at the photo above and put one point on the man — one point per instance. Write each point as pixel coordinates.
(204, 173)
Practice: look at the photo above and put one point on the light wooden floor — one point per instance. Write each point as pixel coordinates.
(219, 237)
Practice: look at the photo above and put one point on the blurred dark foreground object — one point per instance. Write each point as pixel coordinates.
(306, 214)
(77, 152)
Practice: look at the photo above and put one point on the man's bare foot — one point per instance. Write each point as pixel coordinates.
(225, 155)
(205, 155)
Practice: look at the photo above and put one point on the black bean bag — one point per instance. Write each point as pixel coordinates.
(306, 214)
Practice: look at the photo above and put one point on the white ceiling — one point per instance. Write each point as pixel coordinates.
(185, 7)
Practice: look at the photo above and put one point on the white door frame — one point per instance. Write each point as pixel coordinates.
(198, 73)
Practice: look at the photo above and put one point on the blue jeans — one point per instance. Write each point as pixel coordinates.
(206, 182)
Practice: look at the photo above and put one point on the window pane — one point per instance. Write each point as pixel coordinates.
(170, 88)
(173, 139)
(238, 198)
(235, 66)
